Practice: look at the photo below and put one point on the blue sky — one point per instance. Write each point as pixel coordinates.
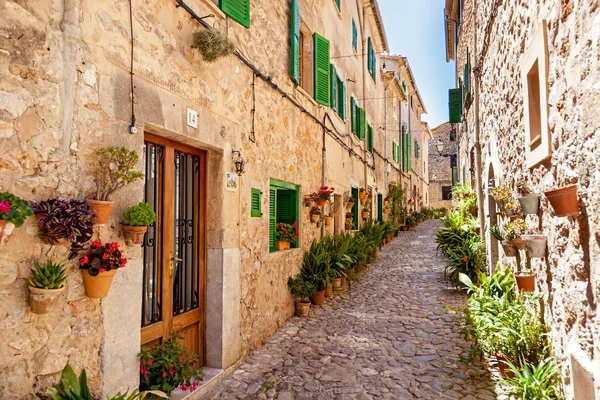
(415, 29)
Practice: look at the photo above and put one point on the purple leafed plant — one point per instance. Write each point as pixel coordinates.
(71, 220)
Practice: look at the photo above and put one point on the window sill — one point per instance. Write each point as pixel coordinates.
(279, 252)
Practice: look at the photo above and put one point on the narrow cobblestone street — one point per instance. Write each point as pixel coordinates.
(392, 336)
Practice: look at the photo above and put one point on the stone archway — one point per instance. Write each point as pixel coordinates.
(493, 248)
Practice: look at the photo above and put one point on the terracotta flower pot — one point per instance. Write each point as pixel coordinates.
(314, 217)
(321, 202)
(302, 307)
(365, 214)
(525, 283)
(101, 210)
(6, 229)
(530, 203)
(281, 245)
(405, 229)
(337, 284)
(386, 210)
(518, 243)
(134, 234)
(41, 301)
(344, 282)
(510, 250)
(535, 245)
(362, 196)
(328, 221)
(318, 298)
(348, 226)
(349, 205)
(308, 202)
(329, 291)
(358, 269)
(97, 287)
(564, 201)
(351, 273)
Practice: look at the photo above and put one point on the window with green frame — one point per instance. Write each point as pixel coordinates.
(371, 60)
(338, 3)
(283, 207)
(334, 89)
(354, 115)
(354, 36)
(238, 10)
(256, 203)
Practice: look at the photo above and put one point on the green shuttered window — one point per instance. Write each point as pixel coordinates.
(295, 42)
(362, 123)
(369, 138)
(355, 208)
(394, 151)
(255, 203)
(380, 207)
(322, 70)
(338, 3)
(238, 10)
(283, 207)
(341, 98)
(455, 105)
(334, 89)
(353, 116)
(354, 36)
(409, 152)
(403, 149)
(371, 59)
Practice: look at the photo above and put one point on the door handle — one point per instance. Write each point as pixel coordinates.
(172, 264)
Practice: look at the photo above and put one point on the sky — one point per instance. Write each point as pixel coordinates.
(415, 29)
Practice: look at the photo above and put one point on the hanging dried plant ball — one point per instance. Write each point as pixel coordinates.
(212, 44)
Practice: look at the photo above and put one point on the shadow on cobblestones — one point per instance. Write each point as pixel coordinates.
(391, 336)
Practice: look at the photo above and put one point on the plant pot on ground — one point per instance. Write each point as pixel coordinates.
(318, 298)
(337, 284)
(99, 266)
(525, 281)
(329, 291)
(535, 245)
(115, 170)
(45, 286)
(13, 212)
(564, 201)
(137, 219)
(301, 291)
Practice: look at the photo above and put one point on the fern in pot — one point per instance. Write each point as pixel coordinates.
(137, 219)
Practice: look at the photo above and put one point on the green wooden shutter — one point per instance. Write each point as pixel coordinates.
(380, 207)
(272, 219)
(394, 151)
(455, 105)
(354, 36)
(369, 138)
(322, 70)
(342, 99)
(295, 42)
(409, 152)
(403, 150)
(285, 206)
(238, 10)
(355, 208)
(353, 115)
(255, 203)
(362, 123)
(334, 89)
(369, 56)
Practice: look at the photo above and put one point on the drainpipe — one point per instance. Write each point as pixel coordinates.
(385, 175)
(364, 81)
(323, 166)
(478, 169)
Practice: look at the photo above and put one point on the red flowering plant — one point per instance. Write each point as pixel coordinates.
(315, 210)
(102, 257)
(325, 192)
(168, 365)
(287, 232)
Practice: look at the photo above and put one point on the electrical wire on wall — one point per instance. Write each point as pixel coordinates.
(132, 128)
(252, 134)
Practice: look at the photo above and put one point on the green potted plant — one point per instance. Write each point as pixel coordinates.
(315, 269)
(525, 280)
(513, 232)
(504, 198)
(530, 202)
(510, 250)
(45, 285)
(301, 290)
(115, 170)
(564, 201)
(136, 221)
(13, 212)
(286, 234)
(315, 214)
(99, 266)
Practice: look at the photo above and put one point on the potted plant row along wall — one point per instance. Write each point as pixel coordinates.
(13, 212)
(564, 201)
(137, 219)
(45, 285)
(99, 266)
(286, 235)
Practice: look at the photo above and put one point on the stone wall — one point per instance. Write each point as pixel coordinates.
(569, 277)
(440, 171)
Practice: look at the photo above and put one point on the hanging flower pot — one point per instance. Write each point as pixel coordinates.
(337, 284)
(348, 226)
(134, 234)
(314, 217)
(349, 205)
(329, 291)
(97, 287)
(137, 219)
(308, 201)
(386, 210)
(328, 221)
(302, 307)
(362, 195)
(6, 229)
(47, 282)
(282, 245)
(564, 201)
(99, 266)
(518, 243)
(535, 245)
(525, 281)
(318, 298)
(41, 301)
(530, 203)
(321, 202)
(13, 211)
(510, 250)
(101, 210)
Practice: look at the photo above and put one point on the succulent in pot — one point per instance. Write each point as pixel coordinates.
(45, 285)
(98, 267)
(115, 170)
(137, 219)
(301, 290)
(62, 220)
(13, 212)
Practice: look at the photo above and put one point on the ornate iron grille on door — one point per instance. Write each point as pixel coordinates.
(186, 256)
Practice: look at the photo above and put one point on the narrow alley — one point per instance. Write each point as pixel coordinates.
(392, 336)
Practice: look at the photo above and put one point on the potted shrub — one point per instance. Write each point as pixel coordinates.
(61, 220)
(99, 267)
(513, 232)
(362, 195)
(301, 290)
(45, 285)
(324, 195)
(167, 366)
(365, 212)
(286, 234)
(505, 200)
(315, 214)
(315, 269)
(564, 201)
(137, 219)
(510, 249)
(115, 170)
(525, 280)
(13, 212)
(530, 202)
(350, 203)
(535, 245)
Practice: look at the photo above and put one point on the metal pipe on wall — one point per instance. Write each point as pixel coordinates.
(478, 169)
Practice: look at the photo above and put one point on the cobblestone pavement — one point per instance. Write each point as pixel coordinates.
(391, 336)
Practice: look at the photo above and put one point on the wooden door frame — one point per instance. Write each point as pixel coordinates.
(168, 324)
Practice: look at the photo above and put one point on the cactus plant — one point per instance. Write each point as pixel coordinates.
(48, 276)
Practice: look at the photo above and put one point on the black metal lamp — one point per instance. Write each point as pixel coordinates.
(440, 146)
(240, 163)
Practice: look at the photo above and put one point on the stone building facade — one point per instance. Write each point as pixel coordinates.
(441, 173)
(533, 70)
(78, 76)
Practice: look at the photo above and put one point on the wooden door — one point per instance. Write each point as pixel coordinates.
(174, 247)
